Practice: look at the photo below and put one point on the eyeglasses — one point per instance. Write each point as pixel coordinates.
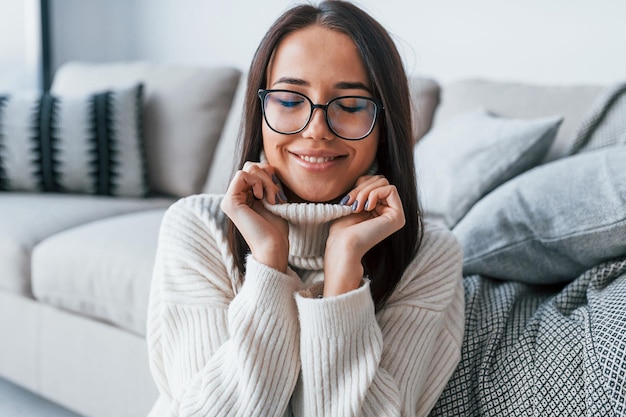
(348, 117)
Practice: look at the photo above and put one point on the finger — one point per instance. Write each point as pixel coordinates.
(243, 184)
(351, 198)
(381, 227)
(362, 199)
(369, 228)
(388, 204)
(270, 186)
(388, 217)
(281, 192)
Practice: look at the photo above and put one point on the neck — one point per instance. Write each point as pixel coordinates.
(294, 198)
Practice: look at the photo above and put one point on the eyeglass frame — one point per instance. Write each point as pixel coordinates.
(262, 93)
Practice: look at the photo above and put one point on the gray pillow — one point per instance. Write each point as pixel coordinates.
(552, 223)
(185, 109)
(86, 144)
(463, 159)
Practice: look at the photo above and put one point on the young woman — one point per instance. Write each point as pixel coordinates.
(311, 288)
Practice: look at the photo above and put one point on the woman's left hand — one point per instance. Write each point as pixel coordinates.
(378, 213)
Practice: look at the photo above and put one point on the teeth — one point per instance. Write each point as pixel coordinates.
(314, 160)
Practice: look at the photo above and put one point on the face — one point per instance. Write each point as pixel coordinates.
(316, 165)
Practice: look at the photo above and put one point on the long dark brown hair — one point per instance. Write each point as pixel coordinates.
(384, 263)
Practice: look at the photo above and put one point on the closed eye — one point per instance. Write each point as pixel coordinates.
(351, 109)
(289, 103)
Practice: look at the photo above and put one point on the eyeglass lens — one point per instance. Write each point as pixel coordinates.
(348, 117)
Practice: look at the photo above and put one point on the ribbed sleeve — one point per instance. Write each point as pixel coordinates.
(395, 363)
(214, 352)
(341, 346)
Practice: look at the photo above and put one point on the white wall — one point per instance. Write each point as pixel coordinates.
(544, 41)
(540, 41)
(92, 30)
(214, 32)
(20, 45)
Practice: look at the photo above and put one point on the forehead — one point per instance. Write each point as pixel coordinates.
(319, 56)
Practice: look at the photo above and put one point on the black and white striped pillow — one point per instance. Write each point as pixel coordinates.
(90, 144)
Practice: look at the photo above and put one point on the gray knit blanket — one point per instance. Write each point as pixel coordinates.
(537, 351)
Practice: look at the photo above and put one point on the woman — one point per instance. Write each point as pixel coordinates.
(301, 291)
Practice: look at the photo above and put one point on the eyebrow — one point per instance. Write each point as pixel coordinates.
(293, 81)
(343, 85)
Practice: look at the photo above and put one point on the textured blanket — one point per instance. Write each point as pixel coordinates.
(537, 351)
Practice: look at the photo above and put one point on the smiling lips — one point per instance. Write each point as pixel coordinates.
(316, 160)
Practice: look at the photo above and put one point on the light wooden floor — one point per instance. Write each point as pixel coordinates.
(17, 402)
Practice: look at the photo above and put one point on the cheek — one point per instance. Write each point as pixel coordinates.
(270, 141)
(274, 148)
(367, 154)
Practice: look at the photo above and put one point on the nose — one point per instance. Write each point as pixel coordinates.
(318, 127)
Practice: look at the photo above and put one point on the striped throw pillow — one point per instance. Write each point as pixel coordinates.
(89, 144)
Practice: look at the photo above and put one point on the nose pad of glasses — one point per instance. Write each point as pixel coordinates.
(318, 121)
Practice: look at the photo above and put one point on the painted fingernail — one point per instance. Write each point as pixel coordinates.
(275, 178)
(367, 202)
(345, 200)
(355, 205)
(282, 195)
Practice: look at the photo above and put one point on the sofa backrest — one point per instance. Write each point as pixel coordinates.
(185, 111)
(223, 165)
(521, 101)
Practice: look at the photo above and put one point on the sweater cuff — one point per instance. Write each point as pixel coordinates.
(337, 316)
(264, 282)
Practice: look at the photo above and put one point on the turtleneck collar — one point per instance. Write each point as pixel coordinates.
(309, 224)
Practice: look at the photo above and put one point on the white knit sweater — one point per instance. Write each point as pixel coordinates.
(268, 346)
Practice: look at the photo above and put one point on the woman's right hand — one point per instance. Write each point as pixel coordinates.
(265, 233)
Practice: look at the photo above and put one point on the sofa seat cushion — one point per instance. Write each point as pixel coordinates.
(28, 218)
(101, 269)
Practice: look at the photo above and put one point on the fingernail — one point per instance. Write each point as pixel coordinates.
(282, 195)
(345, 200)
(355, 205)
(275, 178)
(276, 199)
(366, 204)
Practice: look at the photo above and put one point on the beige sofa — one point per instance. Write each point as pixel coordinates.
(75, 270)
